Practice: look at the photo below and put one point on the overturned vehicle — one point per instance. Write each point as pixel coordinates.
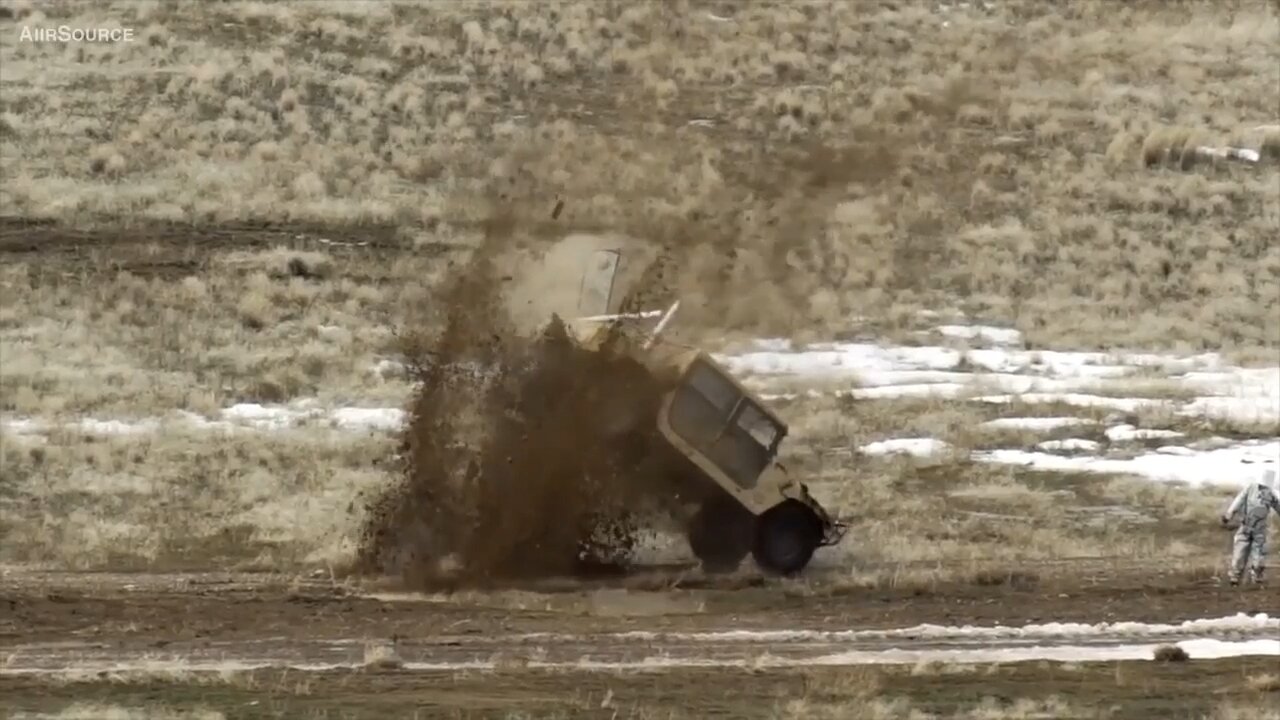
(698, 436)
(554, 424)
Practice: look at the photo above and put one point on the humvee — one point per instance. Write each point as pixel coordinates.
(716, 440)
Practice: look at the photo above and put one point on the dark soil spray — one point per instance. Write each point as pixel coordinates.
(525, 456)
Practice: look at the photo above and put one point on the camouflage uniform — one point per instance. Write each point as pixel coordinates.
(1253, 504)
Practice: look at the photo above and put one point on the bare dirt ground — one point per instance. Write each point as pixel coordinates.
(221, 641)
(169, 251)
(1216, 689)
(158, 610)
(1193, 691)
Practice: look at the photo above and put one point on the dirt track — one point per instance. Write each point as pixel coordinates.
(1129, 690)
(138, 640)
(155, 610)
(152, 249)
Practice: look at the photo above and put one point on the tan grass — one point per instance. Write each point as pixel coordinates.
(953, 519)
(1264, 683)
(998, 173)
(111, 711)
(248, 500)
(382, 656)
(292, 499)
(850, 700)
(991, 163)
(1244, 710)
(269, 326)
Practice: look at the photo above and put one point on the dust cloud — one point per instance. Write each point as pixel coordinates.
(527, 455)
(523, 447)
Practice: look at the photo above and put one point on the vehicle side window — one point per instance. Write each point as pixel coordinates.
(716, 389)
(760, 427)
(739, 456)
(695, 418)
(703, 413)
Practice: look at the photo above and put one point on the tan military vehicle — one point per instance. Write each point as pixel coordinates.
(711, 438)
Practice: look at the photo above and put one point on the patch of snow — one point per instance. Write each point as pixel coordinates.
(888, 392)
(775, 397)
(266, 417)
(1078, 399)
(1229, 153)
(1070, 444)
(1233, 466)
(1038, 424)
(388, 419)
(917, 447)
(1196, 649)
(242, 416)
(777, 345)
(201, 422)
(1121, 433)
(1239, 622)
(1216, 442)
(1223, 391)
(117, 427)
(926, 390)
(386, 368)
(1259, 410)
(988, 382)
(1240, 394)
(995, 335)
(882, 378)
(22, 426)
(824, 359)
(1201, 639)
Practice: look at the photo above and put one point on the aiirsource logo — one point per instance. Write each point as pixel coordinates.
(66, 33)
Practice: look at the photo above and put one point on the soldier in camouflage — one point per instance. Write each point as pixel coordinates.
(1253, 504)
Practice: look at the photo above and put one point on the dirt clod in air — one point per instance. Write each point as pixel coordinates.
(526, 455)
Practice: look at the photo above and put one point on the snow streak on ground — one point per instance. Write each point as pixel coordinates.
(1238, 623)
(1201, 649)
(1232, 636)
(239, 417)
(1000, 373)
(1204, 384)
(1229, 466)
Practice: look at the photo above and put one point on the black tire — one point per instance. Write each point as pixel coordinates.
(720, 535)
(785, 538)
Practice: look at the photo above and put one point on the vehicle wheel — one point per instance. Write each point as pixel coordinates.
(786, 537)
(720, 535)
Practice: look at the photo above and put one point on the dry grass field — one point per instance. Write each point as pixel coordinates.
(277, 187)
(810, 160)
(254, 203)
